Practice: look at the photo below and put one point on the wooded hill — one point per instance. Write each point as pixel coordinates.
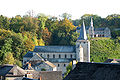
(18, 35)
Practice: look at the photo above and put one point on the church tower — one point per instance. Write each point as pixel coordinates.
(91, 29)
(83, 46)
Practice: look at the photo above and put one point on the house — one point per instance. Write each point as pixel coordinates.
(39, 64)
(11, 72)
(94, 71)
(14, 72)
(58, 57)
(44, 75)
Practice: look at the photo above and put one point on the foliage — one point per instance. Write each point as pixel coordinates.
(68, 69)
(8, 58)
(18, 35)
(62, 34)
(103, 49)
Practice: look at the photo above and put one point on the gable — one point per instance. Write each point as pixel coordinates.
(36, 57)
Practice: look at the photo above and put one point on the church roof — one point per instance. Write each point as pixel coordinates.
(29, 54)
(82, 35)
(100, 29)
(57, 49)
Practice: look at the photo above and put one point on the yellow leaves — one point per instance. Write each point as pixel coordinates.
(29, 45)
(41, 42)
(67, 25)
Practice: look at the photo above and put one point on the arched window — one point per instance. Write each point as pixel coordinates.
(58, 65)
(64, 65)
(48, 56)
(53, 56)
(71, 56)
(65, 56)
(59, 56)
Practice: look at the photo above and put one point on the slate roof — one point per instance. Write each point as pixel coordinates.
(100, 29)
(95, 29)
(61, 60)
(11, 70)
(29, 54)
(95, 71)
(46, 75)
(57, 49)
(82, 35)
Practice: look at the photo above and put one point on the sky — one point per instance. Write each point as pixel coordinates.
(76, 8)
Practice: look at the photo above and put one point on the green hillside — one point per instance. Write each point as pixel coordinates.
(104, 48)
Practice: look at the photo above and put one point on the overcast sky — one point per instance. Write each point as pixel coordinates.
(76, 8)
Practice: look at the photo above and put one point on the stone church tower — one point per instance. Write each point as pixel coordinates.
(83, 46)
(91, 29)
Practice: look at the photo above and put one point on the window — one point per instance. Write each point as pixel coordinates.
(58, 65)
(65, 56)
(64, 65)
(71, 55)
(40, 54)
(48, 56)
(59, 56)
(53, 56)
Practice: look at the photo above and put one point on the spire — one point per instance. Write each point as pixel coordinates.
(91, 22)
(82, 35)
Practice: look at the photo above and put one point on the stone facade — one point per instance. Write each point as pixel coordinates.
(61, 56)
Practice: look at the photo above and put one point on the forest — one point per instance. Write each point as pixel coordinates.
(21, 34)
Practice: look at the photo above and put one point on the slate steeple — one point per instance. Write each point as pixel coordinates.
(82, 35)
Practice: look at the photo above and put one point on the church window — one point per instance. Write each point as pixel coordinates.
(71, 55)
(65, 56)
(53, 56)
(58, 65)
(59, 56)
(64, 65)
(48, 56)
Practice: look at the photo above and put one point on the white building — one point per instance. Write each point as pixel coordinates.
(60, 56)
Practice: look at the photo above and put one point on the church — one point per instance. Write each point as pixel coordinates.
(56, 58)
(96, 32)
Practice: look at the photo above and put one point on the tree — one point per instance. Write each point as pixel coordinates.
(68, 69)
(42, 18)
(7, 47)
(62, 32)
(8, 58)
(66, 16)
